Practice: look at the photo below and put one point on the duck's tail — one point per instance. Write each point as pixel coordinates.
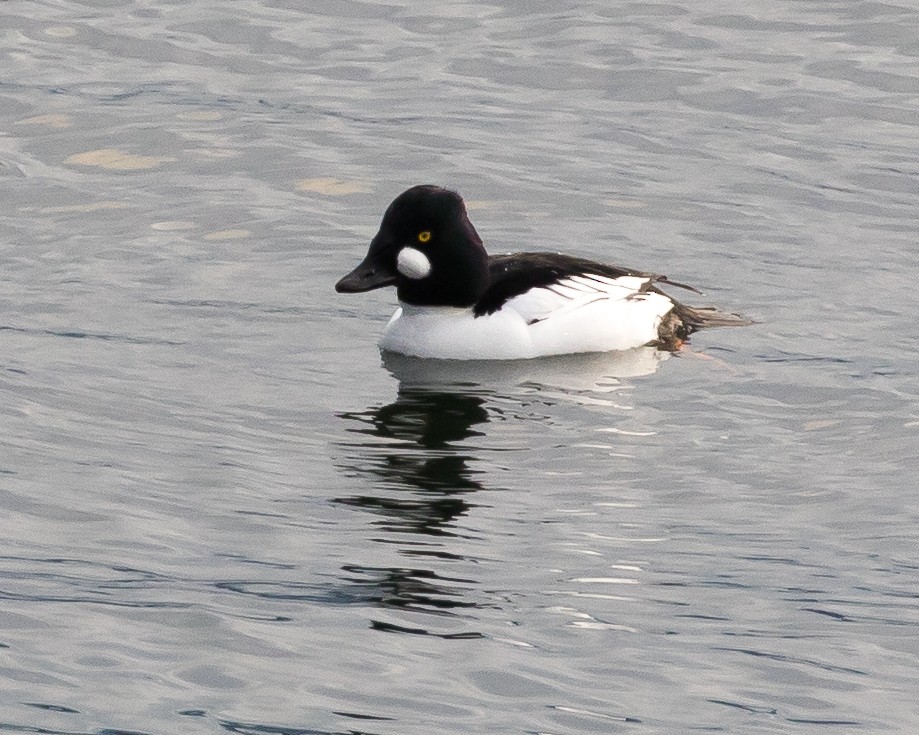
(683, 320)
(702, 317)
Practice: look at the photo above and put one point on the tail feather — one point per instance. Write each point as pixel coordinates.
(702, 317)
(682, 320)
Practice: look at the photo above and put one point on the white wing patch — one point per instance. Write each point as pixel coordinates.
(576, 292)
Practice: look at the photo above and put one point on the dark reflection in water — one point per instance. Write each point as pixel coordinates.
(417, 471)
(427, 418)
(253, 728)
(420, 478)
(410, 588)
(416, 458)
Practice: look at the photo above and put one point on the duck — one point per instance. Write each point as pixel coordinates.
(457, 302)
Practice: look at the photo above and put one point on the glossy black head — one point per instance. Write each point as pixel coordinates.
(427, 248)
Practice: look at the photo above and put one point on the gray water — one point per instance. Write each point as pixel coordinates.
(220, 511)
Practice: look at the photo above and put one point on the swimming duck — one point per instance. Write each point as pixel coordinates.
(458, 302)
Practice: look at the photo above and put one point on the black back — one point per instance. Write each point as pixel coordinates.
(513, 275)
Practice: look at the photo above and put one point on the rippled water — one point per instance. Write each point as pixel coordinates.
(220, 511)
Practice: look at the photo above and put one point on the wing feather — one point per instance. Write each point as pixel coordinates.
(511, 276)
(562, 298)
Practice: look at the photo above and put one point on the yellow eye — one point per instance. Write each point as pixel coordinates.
(424, 236)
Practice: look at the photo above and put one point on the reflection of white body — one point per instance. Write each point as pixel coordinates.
(594, 372)
(578, 314)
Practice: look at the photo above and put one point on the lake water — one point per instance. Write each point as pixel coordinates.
(221, 511)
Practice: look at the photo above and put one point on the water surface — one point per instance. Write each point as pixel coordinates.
(223, 511)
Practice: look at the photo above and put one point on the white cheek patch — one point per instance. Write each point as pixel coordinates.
(413, 263)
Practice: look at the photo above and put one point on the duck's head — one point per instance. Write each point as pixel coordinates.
(427, 248)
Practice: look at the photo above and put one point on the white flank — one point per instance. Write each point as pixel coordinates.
(578, 314)
(413, 263)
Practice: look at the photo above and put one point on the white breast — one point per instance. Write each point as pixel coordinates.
(578, 314)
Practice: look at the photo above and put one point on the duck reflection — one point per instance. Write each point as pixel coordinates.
(421, 479)
(409, 589)
(423, 471)
(596, 372)
(409, 445)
